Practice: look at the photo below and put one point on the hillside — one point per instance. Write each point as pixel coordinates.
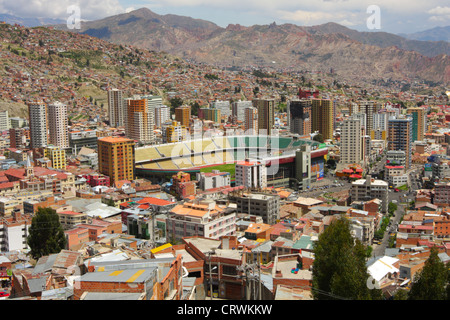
(363, 56)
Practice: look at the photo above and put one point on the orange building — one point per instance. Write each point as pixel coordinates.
(183, 115)
(140, 123)
(116, 158)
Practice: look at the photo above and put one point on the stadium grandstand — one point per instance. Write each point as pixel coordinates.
(160, 162)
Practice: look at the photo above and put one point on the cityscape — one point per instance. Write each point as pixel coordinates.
(222, 164)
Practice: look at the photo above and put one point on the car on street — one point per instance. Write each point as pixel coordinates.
(4, 294)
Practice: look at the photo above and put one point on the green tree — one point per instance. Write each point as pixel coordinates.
(339, 269)
(432, 281)
(46, 235)
(175, 103)
(194, 108)
(319, 138)
(401, 295)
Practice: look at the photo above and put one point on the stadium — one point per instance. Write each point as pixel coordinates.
(159, 163)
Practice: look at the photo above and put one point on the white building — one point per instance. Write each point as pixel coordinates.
(14, 232)
(251, 174)
(38, 124)
(238, 109)
(223, 106)
(368, 189)
(214, 179)
(4, 120)
(58, 124)
(117, 108)
(351, 143)
(203, 218)
(162, 115)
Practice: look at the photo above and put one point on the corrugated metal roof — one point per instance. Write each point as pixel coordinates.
(125, 275)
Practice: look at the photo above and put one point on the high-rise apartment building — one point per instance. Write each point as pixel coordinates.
(4, 121)
(251, 120)
(162, 115)
(299, 116)
(140, 119)
(351, 143)
(238, 109)
(58, 124)
(183, 115)
(223, 106)
(38, 124)
(369, 108)
(418, 122)
(116, 158)
(323, 117)
(117, 108)
(16, 122)
(251, 174)
(266, 115)
(400, 136)
(210, 114)
(18, 137)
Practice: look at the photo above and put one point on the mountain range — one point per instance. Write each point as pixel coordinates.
(29, 22)
(354, 55)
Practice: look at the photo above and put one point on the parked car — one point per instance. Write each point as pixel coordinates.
(4, 294)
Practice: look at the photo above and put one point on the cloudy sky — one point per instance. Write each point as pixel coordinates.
(395, 16)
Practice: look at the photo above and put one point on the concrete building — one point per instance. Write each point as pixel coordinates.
(351, 150)
(368, 189)
(419, 118)
(263, 205)
(400, 136)
(4, 120)
(238, 109)
(299, 116)
(251, 120)
(442, 194)
(37, 112)
(162, 115)
(117, 108)
(14, 231)
(200, 218)
(16, 122)
(18, 137)
(223, 106)
(57, 157)
(183, 115)
(58, 124)
(82, 138)
(251, 174)
(266, 115)
(210, 114)
(140, 119)
(323, 117)
(212, 180)
(173, 131)
(396, 157)
(369, 108)
(116, 158)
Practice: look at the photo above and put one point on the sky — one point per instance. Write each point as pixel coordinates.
(394, 16)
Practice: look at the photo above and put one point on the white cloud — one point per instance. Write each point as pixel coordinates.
(440, 11)
(89, 9)
(440, 14)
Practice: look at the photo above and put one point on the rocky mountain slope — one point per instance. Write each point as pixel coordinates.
(349, 53)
